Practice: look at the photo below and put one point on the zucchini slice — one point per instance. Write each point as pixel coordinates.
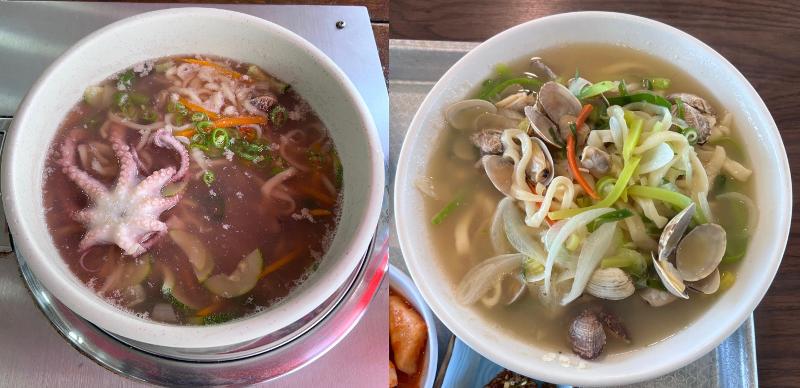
(199, 256)
(241, 280)
(174, 295)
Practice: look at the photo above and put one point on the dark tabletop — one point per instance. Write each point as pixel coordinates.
(761, 38)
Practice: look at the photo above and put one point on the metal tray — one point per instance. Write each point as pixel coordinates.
(32, 35)
(415, 66)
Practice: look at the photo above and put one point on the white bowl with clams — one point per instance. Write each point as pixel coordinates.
(179, 32)
(772, 196)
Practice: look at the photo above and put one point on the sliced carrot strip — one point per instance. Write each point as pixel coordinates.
(218, 67)
(210, 309)
(320, 212)
(286, 259)
(186, 132)
(573, 159)
(197, 108)
(237, 121)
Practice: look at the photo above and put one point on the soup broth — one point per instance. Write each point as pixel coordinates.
(462, 202)
(246, 207)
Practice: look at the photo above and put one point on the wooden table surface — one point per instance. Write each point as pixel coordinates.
(761, 38)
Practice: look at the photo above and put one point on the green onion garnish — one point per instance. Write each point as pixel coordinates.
(278, 116)
(208, 177)
(691, 135)
(199, 116)
(449, 208)
(220, 137)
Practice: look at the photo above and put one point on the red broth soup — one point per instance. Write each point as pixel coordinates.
(192, 190)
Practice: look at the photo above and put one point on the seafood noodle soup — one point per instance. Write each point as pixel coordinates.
(590, 199)
(192, 190)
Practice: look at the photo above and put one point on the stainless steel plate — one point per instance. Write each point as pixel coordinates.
(415, 66)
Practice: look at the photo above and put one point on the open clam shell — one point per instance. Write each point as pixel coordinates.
(500, 172)
(700, 252)
(462, 114)
(541, 167)
(673, 232)
(707, 285)
(670, 278)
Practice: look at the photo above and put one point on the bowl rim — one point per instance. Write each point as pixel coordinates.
(210, 337)
(556, 373)
(402, 284)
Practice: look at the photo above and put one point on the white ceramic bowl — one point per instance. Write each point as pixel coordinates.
(193, 31)
(404, 286)
(772, 185)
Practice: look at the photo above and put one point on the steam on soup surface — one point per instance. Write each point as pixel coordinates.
(192, 190)
(557, 179)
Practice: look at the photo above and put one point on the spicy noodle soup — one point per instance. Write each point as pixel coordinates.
(192, 190)
(592, 198)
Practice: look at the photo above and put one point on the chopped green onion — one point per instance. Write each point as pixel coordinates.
(597, 88)
(676, 199)
(635, 124)
(217, 318)
(691, 135)
(177, 107)
(573, 129)
(726, 279)
(150, 116)
(679, 105)
(139, 98)
(604, 185)
(209, 177)
(640, 97)
(616, 215)
(120, 99)
(622, 88)
(449, 208)
(647, 84)
(125, 80)
(620, 186)
(628, 259)
(659, 83)
(204, 126)
(527, 83)
(199, 116)
(278, 116)
(531, 268)
(573, 241)
(220, 137)
(130, 112)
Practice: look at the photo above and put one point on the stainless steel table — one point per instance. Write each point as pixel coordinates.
(32, 34)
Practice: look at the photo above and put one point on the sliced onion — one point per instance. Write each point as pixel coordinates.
(570, 227)
(594, 249)
(498, 232)
(516, 232)
(163, 312)
(656, 158)
(483, 276)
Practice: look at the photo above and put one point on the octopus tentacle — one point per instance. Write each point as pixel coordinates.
(128, 170)
(164, 139)
(91, 186)
(151, 186)
(94, 237)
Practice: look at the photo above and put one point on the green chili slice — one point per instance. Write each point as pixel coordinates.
(616, 215)
(639, 97)
(209, 177)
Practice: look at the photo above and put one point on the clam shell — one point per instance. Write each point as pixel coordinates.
(489, 120)
(655, 297)
(541, 167)
(462, 114)
(708, 285)
(670, 278)
(557, 101)
(587, 336)
(673, 231)
(611, 284)
(700, 252)
(542, 126)
(500, 172)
